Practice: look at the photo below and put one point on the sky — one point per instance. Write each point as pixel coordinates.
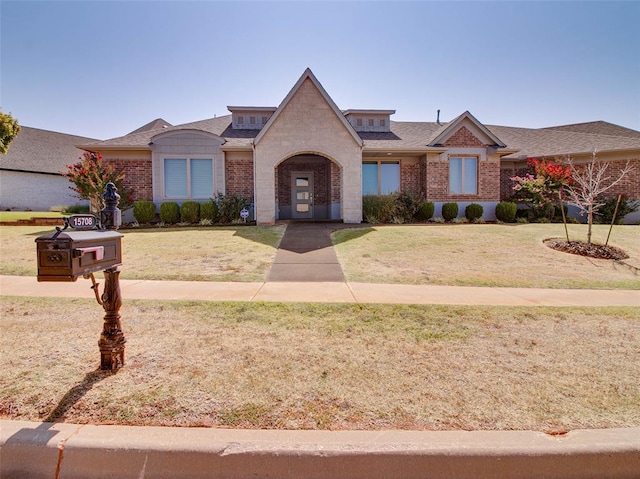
(102, 69)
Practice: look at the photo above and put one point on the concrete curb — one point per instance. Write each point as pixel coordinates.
(68, 451)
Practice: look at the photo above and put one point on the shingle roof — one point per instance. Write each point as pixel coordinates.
(599, 128)
(153, 125)
(42, 151)
(412, 136)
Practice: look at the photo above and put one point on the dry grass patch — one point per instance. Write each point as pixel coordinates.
(311, 366)
(242, 253)
(484, 255)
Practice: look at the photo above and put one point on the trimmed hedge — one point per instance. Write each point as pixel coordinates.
(209, 211)
(473, 212)
(144, 211)
(169, 212)
(190, 212)
(425, 211)
(506, 211)
(449, 211)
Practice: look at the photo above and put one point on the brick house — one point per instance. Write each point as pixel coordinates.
(307, 159)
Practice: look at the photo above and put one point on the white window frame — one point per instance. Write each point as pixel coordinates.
(188, 159)
(463, 174)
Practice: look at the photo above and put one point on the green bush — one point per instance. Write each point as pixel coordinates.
(378, 209)
(190, 212)
(229, 207)
(425, 211)
(605, 214)
(169, 212)
(76, 209)
(506, 211)
(407, 206)
(473, 212)
(449, 211)
(144, 211)
(209, 211)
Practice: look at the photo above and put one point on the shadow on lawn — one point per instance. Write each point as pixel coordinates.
(76, 393)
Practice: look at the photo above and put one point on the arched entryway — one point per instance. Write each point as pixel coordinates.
(308, 188)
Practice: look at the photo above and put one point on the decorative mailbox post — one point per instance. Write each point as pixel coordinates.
(92, 246)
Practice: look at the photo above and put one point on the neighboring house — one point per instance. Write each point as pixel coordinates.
(30, 171)
(307, 159)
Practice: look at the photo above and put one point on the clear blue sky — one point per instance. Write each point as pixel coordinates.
(104, 68)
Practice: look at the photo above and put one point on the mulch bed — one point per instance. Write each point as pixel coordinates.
(591, 250)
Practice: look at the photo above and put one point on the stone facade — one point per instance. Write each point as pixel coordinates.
(308, 124)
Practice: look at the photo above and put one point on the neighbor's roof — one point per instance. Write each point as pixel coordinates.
(416, 136)
(42, 151)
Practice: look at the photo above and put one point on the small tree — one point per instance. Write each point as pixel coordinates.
(588, 183)
(9, 129)
(90, 176)
(543, 188)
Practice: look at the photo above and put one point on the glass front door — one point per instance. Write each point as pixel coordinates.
(302, 195)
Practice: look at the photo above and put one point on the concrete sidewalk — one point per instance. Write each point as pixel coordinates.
(326, 292)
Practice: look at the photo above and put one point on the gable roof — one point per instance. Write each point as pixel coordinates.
(453, 126)
(308, 74)
(599, 128)
(42, 151)
(153, 125)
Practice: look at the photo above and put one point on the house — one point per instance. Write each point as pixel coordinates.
(307, 159)
(31, 170)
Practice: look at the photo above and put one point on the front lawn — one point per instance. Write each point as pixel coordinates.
(323, 366)
(484, 255)
(25, 215)
(242, 253)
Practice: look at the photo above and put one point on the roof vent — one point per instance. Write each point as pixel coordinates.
(438, 118)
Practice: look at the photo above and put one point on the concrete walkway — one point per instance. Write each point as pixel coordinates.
(306, 254)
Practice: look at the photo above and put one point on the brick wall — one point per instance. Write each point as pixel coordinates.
(463, 138)
(335, 183)
(410, 177)
(239, 177)
(138, 175)
(321, 180)
(629, 186)
(437, 181)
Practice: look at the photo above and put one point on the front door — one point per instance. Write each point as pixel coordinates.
(301, 195)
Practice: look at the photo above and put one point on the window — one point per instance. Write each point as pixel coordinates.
(241, 120)
(188, 177)
(463, 176)
(380, 178)
(370, 122)
(252, 120)
(264, 120)
(358, 121)
(383, 122)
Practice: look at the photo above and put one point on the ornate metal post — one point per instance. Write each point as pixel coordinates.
(112, 340)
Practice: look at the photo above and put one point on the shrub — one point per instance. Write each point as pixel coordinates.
(209, 211)
(605, 212)
(449, 211)
(229, 207)
(169, 212)
(407, 206)
(190, 212)
(76, 209)
(473, 211)
(506, 211)
(378, 208)
(425, 211)
(144, 211)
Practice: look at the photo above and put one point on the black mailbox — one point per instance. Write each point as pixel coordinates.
(65, 255)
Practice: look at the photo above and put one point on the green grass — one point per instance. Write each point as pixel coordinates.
(323, 366)
(484, 255)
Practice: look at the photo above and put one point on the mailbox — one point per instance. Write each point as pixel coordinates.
(65, 255)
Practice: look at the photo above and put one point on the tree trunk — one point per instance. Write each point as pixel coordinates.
(590, 223)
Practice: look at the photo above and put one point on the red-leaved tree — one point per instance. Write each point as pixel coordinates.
(90, 176)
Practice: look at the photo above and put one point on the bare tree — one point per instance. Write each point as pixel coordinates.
(588, 183)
